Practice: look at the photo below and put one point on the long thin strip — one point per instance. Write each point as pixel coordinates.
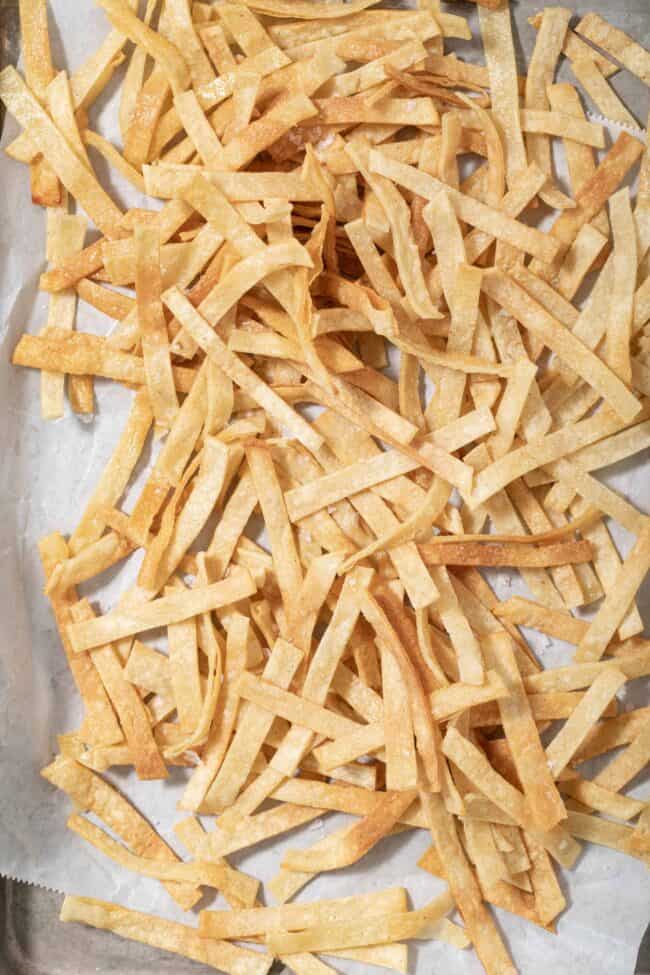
(74, 175)
(617, 601)
(162, 611)
(169, 936)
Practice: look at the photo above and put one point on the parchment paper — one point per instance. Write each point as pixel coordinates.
(46, 475)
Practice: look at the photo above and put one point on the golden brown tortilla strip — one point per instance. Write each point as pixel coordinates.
(616, 43)
(93, 794)
(169, 936)
(162, 611)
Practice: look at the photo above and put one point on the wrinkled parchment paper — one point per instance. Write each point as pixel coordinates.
(47, 472)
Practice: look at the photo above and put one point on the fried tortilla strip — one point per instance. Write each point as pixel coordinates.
(348, 845)
(253, 727)
(47, 138)
(616, 43)
(617, 601)
(91, 793)
(401, 761)
(495, 223)
(473, 553)
(130, 709)
(156, 44)
(336, 935)
(293, 707)
(217, 875)
(152, 326)
(541, 69)
(601, 92)
(179, 939)
(502, 289)
(174, 608)
(252, 830)
(619, 331)
(116, 475)
(65, 236)
(604, 832)
(81, 353)
(555, 622)
(283, 546)
(353, 479)
(240, 374)
(239, 925)
(602, 800)
(496, 34)
(628, 763)
(522, 736)
(100, 725)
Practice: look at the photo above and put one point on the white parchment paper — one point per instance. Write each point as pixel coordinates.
(47, 471)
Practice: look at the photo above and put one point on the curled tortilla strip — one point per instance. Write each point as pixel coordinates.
(347, 846)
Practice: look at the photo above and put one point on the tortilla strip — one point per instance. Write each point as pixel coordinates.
(91, 793)
(283, 547)
(217, 875)
(128, 706)
(604, 832)
(358, 477)
(116, 474)
(616, 43)
(522, 736)
(152, 326)
(65, 236)
(424, 923)
(486, 219)
(506, 554)
(602, 800)
(496, 34)
(100, 725)
(502, 289)
(47, 138)
(617, 601)
(293, 708)
(350, 844)
(625, 260)
(556, 623)
(239, 925)
(252, 830)
(633, 664)
(253, 727)
(178, 939)
(548, 45)
(614, 733)
(544, 707)
(161, 612)
(628, 763)
(81, 353)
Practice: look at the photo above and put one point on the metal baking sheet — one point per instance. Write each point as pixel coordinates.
(32, 939)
